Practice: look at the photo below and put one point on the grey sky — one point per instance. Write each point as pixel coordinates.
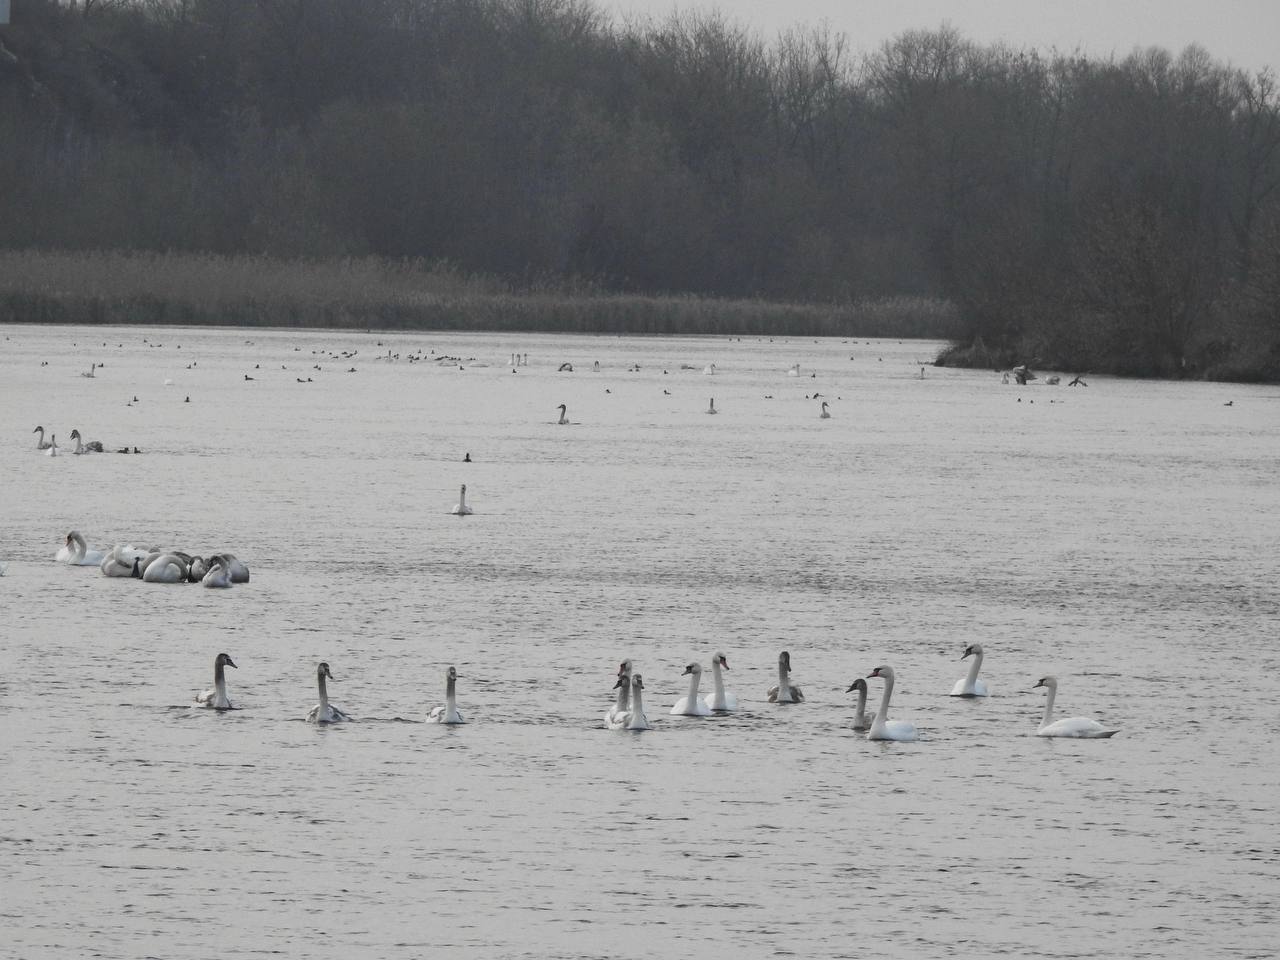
(1245, 32)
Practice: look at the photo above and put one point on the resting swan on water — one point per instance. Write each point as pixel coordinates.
(1085, 727)
(218, 576)
(93, 446)
(785, 691)
(324, 711)
(460, 509)
(882, 728)
(861, 719)
(720, 700)
(77, 553)
(449, 712)
(216, 699)
(164, 568)
(971, 686)
(690, 705)
(619, 715)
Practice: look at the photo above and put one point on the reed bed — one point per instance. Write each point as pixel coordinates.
(185, 289)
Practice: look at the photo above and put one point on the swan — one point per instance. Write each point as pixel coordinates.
(92, 368)
(449, 712)
(218, 576)
(712, 408)
(164, 568)
(216, 699)
(196, 569)
(638, 720)
(719, 700)
(882, 728)
(52, 449)
(324, 711)
(971, 686)
(861, 719)
(709, 370)
(119, 562)
(563, 419)
(691, 705)
(77, 552)
(460, 509)
(619, 715)
(826, 414)
(1067, 726)
(41, 442)
(793, 370)
(93, 446)
(239, 572)
(785, 691)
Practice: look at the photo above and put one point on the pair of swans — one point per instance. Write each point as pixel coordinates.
(718, 700)
(627, 713)
(460, 509)
(325, 712)
(93, 446)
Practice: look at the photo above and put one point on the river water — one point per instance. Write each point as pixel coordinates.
(1121, 536)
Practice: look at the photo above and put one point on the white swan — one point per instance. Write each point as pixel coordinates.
(882, 728)
(826, 414)
(460, 509)
(93, 446)
(709, 370)
(785, 691)
(861, 719)
(793, 370)
(1067, 726)
(563, 418)
(164, 568)
(239, 572)
(638, 719)
(970, 685)
(324, 711)
(78, 553)
(52, 449)
(119, 561)
(691, 705)
(719, 700)
(449, 712)
(217, 577)
(712, 408)
(216, 699)
(619, 715)
(41, 442)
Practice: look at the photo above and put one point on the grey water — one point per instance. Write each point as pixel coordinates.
(1121, 536)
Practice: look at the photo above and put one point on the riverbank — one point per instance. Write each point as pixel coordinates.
(185, 289)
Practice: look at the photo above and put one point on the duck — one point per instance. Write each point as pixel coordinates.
(324, 711)
(1080, 727)
(41, 442)
(218, 576)
(216, 699)
(970, 685)
(619, 715)
(861, 719)
(691, 705)
(785, 691)
(460, 509)
(563, 418)
(638, 720)
(77, 552)
(882, 728)
(826, 414)
(719, 700)
(449, 712)
(93, 446)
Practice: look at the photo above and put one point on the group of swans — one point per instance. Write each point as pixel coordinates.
(627, 713)
(50, 446)
(220, 570)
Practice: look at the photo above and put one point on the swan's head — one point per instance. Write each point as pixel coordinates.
(75, 434)
(1049, 682)
(637, 683)
(722, 660)
(323, 670)
(624, 668)
(225, 661)
(562, 408)
(883, 672)
(858, 684)
(784, 661)
(452, 674)
(973, 649)
(692, 668)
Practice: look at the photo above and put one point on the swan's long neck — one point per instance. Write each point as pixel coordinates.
(637, 708)
(79, 446)
(884, 701)
(694, 677)
(861, 712)
(624, 698)
(78, 551)
(40, 439)
(220, 683)
(784, 688)
(450, 696)
(462, 499)
(973, 670)
(1050, 693)
(717, 681)
(324, 694)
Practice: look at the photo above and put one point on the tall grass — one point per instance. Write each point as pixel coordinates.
(175, 288)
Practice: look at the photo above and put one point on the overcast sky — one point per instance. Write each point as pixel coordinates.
(1245, 32)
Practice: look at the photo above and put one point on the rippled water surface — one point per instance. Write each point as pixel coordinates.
(1122, 536)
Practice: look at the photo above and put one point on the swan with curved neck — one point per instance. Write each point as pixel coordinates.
(691, 705)
(216, 699)
(1082, 727)
(638, 720)
(619, 715)
(218, 576)
(41, 442)
(861, 719)
(882, 728)
(460, 509)
(826, 414)
(563, 418)
(324, 711)
(93, 446)
(78, 553)
(720, 700)
(785, 691)
(449, 712)
(712, 408)
(970, 685)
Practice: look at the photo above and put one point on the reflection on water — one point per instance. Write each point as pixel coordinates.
(1121, 536)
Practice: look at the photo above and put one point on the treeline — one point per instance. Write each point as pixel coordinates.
(1118, 214)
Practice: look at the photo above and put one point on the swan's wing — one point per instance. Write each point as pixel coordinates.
(773, 694)
(313, 715)
(797, 694)
(206, 697)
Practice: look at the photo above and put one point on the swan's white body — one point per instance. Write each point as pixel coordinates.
(785, 691)
(709, 370)
(41, 442)
(216, 699)
(563, 415)
(882, 728)
(826, 414)
(119, 561)
(691, 705)
(217, 577)
(712, 408)
(970, 685)
(239, 572)
(324, 711)
(637, 720)
(619, 715)
(861, 719)
(449, 712)
(78, 553)
(1079, 727)
(52, 449)
(164, 568)
(92, 446)
(720, 700)
(460, 509)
